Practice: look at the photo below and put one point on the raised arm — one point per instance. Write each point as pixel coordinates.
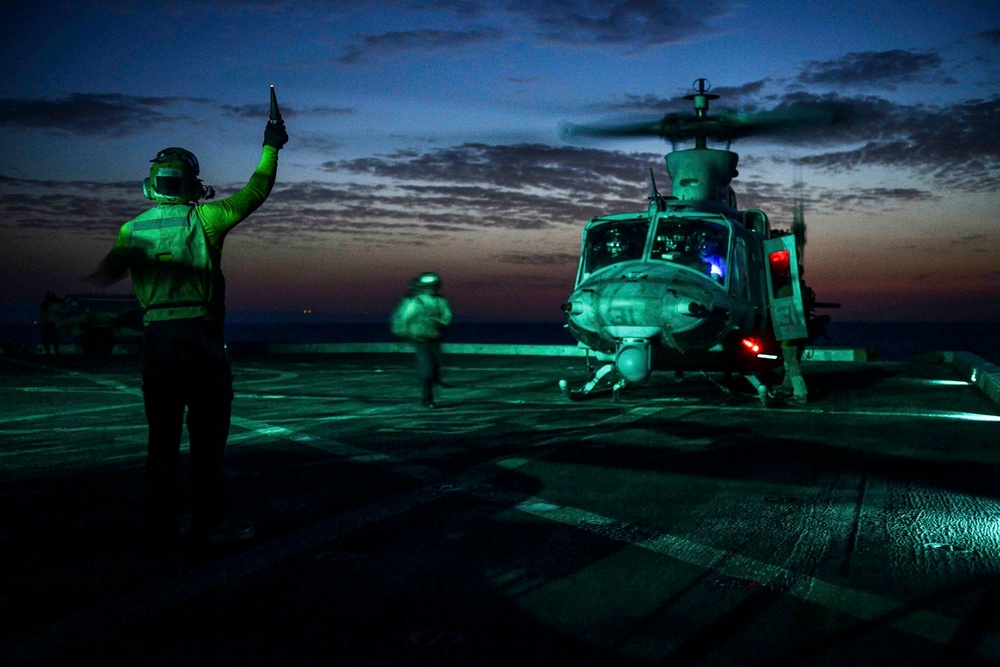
(221, 216)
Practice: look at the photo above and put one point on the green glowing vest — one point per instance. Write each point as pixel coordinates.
(421, 317)
(175, 271)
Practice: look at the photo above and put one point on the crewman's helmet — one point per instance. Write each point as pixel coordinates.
(173, 178)
(615, 244)
(428, 282)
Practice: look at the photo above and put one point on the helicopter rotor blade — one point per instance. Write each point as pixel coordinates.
(722, 125)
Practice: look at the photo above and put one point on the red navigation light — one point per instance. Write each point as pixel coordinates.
(781, 273)
(780, 259)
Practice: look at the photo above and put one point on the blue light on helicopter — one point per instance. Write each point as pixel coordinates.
(717, 267)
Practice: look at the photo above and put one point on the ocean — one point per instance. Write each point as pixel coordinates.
(890, 341)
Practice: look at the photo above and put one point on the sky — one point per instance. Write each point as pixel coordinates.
(427, 136)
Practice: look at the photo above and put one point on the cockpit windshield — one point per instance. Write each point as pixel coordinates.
(699, 244)
(614, 242)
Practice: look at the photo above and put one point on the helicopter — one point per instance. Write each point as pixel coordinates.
(692, 283)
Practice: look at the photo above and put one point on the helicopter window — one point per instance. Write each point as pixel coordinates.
(699, 244)
(740, 285)
(615, 242)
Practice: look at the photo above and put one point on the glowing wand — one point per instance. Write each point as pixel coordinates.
(275, 115)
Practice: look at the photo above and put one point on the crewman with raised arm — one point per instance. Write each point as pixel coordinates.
(174, 252)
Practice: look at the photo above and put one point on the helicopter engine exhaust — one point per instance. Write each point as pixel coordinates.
(633, 360)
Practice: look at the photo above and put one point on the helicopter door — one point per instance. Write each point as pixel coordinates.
(785, 288)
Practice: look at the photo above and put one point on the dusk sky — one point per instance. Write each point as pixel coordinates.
(426, 136)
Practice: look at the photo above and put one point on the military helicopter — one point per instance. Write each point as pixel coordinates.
(692, 283)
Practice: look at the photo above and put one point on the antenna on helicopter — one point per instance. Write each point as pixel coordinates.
(799, 217)
(656, 200)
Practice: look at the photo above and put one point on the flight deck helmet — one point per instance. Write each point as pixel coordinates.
(426, 283)
(173, 178)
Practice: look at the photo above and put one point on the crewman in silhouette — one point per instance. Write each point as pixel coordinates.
(421, 318)
(173, 252)
(48, 319)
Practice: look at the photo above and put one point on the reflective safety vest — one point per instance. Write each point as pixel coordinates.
(176, 272)
(421, 317)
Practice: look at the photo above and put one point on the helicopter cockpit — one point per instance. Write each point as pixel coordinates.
(613, 242)
(693, 242)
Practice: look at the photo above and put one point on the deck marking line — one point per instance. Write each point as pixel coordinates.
(178, 588)
(66, 413)
(929, 625)
(909, 414)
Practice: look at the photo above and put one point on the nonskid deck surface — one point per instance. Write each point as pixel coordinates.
(680, 525)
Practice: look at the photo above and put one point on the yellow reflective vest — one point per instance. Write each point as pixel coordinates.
(421, 317)
(174, 251)
(175, 270)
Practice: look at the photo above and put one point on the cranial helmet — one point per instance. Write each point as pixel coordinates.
(615, 243)
(430, 278)
(426, 282)
(173, 178)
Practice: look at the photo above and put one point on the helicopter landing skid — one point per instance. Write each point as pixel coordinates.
(593, 387)
(723, 388)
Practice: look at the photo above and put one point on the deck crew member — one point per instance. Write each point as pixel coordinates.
(421, 317)
(173, 252)
(48, 318)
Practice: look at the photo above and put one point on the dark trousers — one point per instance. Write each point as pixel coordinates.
(428, 353)
(184, 364)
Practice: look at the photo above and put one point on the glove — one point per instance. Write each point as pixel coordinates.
(275, 135)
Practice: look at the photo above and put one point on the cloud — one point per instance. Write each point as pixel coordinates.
(319, 143)
(368, 47)
(562, 168)
(442, 191)
(88, 114)
(626, 22)
(957, 146)
(117, 115)
(86, 206)
(777, 198)
(405, 195)
(876, 68)
(992, 36)
(883, 200)
(258, 111)
(539, 259)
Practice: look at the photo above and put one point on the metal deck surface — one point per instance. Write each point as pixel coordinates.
(679, 525)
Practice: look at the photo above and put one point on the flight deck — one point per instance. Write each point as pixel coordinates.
(681, 524)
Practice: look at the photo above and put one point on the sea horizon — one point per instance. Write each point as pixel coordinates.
(883, 340)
